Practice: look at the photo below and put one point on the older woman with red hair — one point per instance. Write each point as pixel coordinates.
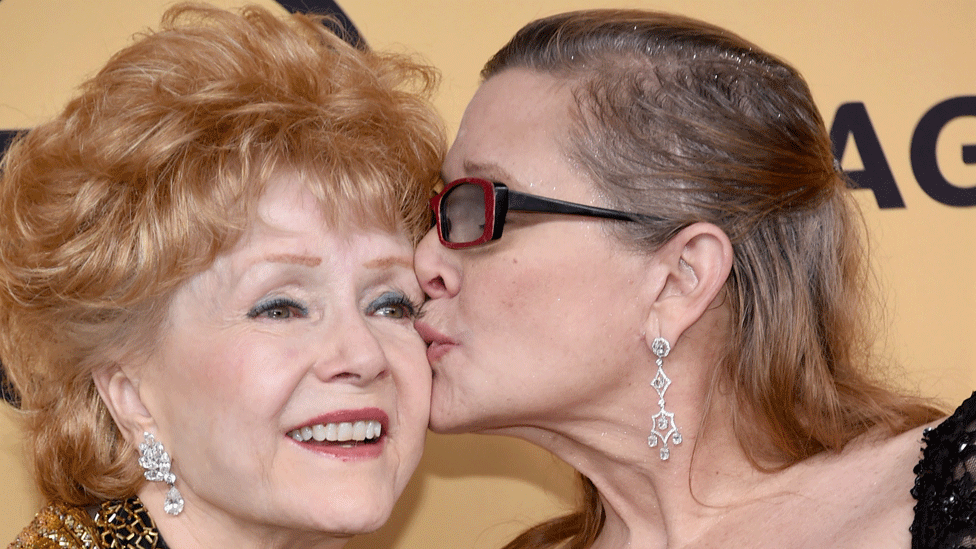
(207, 294)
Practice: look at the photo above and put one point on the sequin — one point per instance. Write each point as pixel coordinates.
(945, 484)
(116, 525)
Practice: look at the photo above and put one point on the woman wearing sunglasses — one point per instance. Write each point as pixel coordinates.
(647, 262)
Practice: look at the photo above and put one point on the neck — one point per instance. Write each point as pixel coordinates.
(651, 502)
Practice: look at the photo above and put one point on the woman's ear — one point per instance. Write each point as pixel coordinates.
(696, 262)
(119, 389)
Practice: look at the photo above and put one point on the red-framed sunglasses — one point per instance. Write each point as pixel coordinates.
(471, 211)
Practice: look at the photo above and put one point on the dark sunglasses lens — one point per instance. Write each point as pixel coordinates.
(463, 214)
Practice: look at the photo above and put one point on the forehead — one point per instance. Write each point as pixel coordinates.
(521, 93)
(291, 229)
(293, 202)
(292, 226)
(516, 120)
(288, 202)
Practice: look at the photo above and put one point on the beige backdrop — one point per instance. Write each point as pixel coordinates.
(898, 58)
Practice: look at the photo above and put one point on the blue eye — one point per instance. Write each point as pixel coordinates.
(278, 309)
(393, 305)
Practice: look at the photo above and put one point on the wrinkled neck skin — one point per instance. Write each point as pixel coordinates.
(650, 502)
(708, 494)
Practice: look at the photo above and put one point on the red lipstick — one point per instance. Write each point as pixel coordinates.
(345, 434)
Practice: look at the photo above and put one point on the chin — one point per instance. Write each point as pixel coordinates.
(355, 521)
(349, 511)
(448, 416)
(366, 525)
(453, 424)
(445, 428)
(443, 423)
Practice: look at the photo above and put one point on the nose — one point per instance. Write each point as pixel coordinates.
(351, 352)
(438, 275)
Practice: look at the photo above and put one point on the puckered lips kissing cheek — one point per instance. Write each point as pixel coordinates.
(346, 434)
(438, 344)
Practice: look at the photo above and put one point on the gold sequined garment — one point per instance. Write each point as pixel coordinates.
(116, 525)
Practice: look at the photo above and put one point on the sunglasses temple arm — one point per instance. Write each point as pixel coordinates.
(529, 203)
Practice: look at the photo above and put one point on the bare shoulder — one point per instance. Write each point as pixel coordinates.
(862, 496)
(867, 488)
(859, 497)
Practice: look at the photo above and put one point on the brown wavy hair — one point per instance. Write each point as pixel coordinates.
(154, 169)
(688, 122)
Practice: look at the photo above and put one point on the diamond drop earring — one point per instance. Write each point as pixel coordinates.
(154, 459)
(664, 427)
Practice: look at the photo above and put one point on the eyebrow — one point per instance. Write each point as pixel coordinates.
(387, 262)
(305, 260)
(486, 170)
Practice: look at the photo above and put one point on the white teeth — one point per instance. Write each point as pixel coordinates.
(339, 432)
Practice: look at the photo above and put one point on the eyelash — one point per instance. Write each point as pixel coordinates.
(389, 300)
(408, 308)
(288, 305)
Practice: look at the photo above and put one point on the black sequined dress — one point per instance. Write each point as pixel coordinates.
(945, 484)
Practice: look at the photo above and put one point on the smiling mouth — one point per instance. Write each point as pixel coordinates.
(346, 433)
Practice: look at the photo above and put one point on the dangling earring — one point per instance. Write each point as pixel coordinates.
(154, 459)
(664, 427)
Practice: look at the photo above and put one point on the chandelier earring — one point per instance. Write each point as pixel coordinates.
(664, 428)
(156, 462)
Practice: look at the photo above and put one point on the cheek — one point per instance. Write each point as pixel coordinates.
(262, 375)
(412, 379)
(407, 356)
(219, 376)
(500, 290)
(515, 286)
(523, 295)
(552, 302)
